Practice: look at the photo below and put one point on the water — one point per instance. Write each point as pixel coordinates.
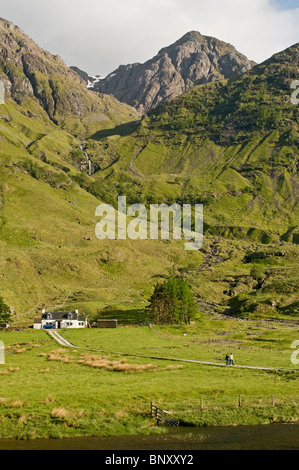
(271, 437)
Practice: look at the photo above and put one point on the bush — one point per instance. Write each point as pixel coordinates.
(257, 272)
(40, 173)
(5, 315)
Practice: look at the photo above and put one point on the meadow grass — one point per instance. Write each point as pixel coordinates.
(55, 392)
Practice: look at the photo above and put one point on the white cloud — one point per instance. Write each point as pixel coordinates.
(99, 35)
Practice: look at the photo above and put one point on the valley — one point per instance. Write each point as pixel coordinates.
(199, 124)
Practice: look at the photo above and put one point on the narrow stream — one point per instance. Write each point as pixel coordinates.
(270, 437)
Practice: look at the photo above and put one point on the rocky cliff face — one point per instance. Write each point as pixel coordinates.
(30, 72)
(90, 80)
(24, 65)
(191, 61)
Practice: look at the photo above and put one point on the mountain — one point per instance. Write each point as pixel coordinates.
(29, 72)
(192, 60)
(247, 123)
(230, 144)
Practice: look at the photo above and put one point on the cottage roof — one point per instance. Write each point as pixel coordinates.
(60, 316)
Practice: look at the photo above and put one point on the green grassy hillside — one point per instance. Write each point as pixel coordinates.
(233, 146)
(49, 252)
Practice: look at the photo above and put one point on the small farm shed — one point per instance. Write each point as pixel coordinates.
(107, 324)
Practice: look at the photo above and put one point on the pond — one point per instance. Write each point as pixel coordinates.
(269, 437)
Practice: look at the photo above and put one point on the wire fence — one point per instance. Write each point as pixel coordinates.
(207, 403)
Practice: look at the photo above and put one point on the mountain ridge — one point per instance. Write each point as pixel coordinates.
(193, 59)
(29, 71)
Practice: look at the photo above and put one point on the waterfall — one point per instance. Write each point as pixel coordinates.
(89, 167)
(89, 162)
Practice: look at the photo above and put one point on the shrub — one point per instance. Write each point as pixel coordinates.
(257, 272)
(5, 315)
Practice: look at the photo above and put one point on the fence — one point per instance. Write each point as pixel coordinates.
(206, 404)
(247, 400)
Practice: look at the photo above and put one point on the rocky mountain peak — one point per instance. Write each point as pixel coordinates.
(192, 60)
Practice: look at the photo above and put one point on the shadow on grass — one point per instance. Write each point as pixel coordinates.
(125, 317)
(123, 130)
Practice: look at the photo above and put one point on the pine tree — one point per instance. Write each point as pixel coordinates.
(172, 302)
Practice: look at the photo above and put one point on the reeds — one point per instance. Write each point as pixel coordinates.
(14, 403)
(99, 362)
(60, 413)
(10, 370)
(103, 362)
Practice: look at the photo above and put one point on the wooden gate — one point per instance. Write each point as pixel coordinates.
(163, 417)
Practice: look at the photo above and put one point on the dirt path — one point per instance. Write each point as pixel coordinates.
(65, 343)
(60, 339)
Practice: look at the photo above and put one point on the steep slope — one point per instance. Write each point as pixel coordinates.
(231, 112)
(31, 72)
(49, 255)
(192, 60)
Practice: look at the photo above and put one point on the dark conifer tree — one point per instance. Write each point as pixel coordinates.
(5, 315)
(172, 302)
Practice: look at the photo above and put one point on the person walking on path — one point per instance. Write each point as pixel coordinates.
(227, 359)
(231, 360)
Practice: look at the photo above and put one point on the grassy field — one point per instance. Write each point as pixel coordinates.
(47, 391)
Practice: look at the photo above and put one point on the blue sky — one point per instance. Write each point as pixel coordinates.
(100, 35)
(287, 4)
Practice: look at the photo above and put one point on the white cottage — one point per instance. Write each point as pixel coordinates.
(61, 320)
